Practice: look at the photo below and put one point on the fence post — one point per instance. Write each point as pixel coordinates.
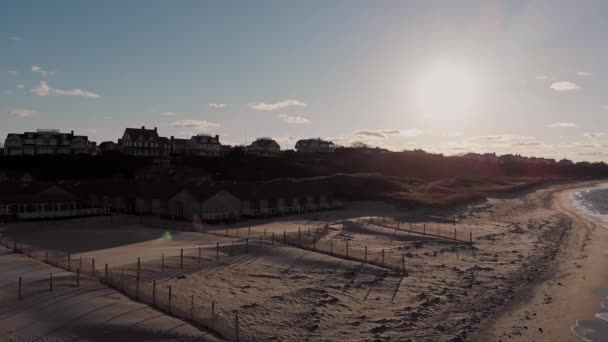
(80, 262)
(248, 232)
(105, 274)
(299, 234)
(19, 288)
(331, 247)
(455, 234)
(162, 263)
(192, 308)
(69, 262)
(264, 232)
(403, 264)
(232, 248)
(169, 298)
(284, 237)
(181, 258)
(199, 255)
(247, 245)
(154, 293)
(51, 282)
(347, 249)
(137, 289)
(236, 322)
(226, 232)
(382, 256)
(471, 238)
(78, 277)
(217, 251)
(365, 253)
(93, 266)
(273, 238)
(424, 228)
(212, 314)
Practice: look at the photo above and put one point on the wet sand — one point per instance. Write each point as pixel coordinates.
(566, 291)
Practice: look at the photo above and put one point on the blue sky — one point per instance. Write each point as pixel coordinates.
(447, 76)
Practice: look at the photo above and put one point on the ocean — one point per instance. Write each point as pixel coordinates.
(594, 202)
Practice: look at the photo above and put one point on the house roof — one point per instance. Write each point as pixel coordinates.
(125, 188)
(33, 192)
(206, 139)
(264, 143)
(314, 141)
(136, 133)
(106, 144)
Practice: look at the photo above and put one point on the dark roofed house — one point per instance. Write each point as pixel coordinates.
(108, 146)
(179, 147)
(143, 142)
(46, 141)
(205, 202)
(314, 145)
(204, 145)
(39, 200)
(264, 147)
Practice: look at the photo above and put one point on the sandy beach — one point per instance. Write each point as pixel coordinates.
(566, 290)
(532, 273)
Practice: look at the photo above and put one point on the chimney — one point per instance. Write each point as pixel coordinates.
(170, 146)
(72, 133)
(143, 127)
(217, 137)
(154, 129)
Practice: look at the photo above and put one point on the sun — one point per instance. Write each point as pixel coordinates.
(446, 91)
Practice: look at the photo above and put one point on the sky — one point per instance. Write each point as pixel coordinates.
(522, 77)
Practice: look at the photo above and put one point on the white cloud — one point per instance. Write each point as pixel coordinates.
(167, 114)
(541, 77)
(562, 125)
(583, 73)
(413, 132)
(217, 105)
(594, 135)
(564, 86)
(526, 143)
(369, 134)
(20, 86)
(385, 133)
(276, 105)
(23, 113)
(198, 124)
(12, 72)
(44, 90)
(497, 140)
(293, 119)
(452, 134)
(39, 70)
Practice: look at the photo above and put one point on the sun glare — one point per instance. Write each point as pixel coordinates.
(446, 91)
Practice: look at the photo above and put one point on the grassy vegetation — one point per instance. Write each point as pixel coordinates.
(415, 192)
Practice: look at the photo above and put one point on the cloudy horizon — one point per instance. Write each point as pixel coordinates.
(521, 77)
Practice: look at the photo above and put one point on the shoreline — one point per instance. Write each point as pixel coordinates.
(564, 293)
